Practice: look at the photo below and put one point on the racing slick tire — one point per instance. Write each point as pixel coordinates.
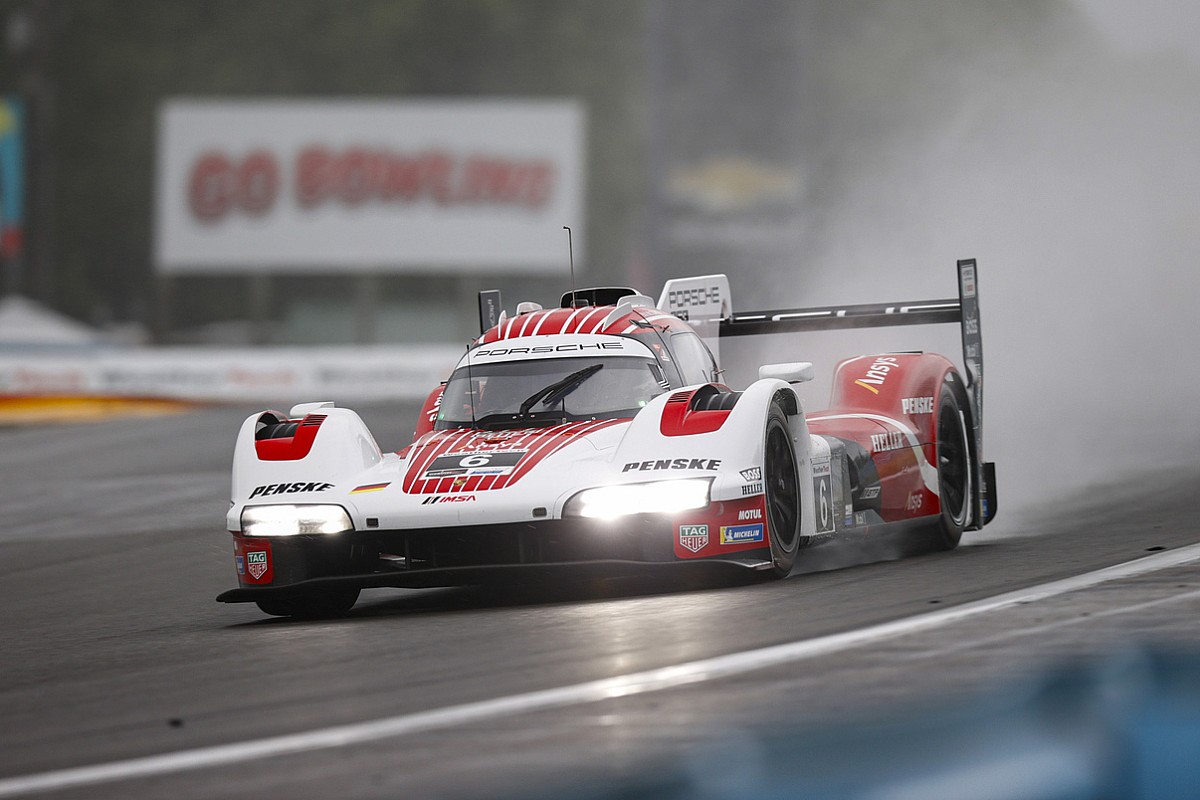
(781, 484)
(311, 605)
(955, 490)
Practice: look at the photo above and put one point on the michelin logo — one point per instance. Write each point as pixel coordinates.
(741, 534)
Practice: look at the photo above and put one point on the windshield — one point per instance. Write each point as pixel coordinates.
(546, 391)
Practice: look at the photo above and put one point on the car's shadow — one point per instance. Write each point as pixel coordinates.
(572, 588)
(518, 591)
(544, 591)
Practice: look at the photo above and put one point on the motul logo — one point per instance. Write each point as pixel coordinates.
(749, 513)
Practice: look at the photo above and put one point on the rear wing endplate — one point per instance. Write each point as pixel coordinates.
(963, 310)
(704, 302)
(491, 311)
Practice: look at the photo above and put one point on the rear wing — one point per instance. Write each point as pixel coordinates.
(710, 296)
(963, 310)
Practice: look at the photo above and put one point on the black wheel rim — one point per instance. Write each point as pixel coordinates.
(952, 463)
(783, 493)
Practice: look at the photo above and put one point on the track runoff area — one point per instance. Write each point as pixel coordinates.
(620, 686)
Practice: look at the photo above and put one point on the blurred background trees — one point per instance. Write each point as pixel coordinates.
(722, 136)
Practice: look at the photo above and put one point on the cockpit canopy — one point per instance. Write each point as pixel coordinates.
(515, 394)
(506, 386)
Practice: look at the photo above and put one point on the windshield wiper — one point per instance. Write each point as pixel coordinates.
(559, 389)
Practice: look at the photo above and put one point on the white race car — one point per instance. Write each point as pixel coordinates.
(597, 436)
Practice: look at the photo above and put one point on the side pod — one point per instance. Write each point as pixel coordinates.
(964, 310)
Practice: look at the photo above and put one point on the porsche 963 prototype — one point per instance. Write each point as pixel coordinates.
(598, 436)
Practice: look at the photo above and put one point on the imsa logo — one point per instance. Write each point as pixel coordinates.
(448, 498)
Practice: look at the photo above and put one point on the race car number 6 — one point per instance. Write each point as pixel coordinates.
(823, 487)
(477, 460)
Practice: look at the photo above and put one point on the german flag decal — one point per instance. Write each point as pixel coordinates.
(370, 487)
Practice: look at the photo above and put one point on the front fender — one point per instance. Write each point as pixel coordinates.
(809, 450)
(736, 446)
(342, 448)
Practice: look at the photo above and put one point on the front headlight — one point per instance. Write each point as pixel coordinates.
(294, 520)
(659, 497)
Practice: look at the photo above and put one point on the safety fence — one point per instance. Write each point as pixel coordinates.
(193, 374)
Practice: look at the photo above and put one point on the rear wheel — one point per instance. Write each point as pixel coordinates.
(311, 605)
(954, 471)
(782, 487)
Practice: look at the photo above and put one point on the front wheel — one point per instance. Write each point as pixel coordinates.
(311, 605)
(955, 489)
(782, 487)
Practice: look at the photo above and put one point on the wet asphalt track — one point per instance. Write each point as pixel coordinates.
(112, 552)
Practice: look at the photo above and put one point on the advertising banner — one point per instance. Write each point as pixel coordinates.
(367, 186)
(12, 178)
(230, 375)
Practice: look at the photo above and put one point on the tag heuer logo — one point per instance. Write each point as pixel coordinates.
(256, 563)
(693, 537)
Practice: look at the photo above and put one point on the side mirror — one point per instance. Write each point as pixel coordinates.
(794, 372)
(298, 411)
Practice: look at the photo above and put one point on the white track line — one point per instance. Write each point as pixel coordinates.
(1052, 626)
(590, 692)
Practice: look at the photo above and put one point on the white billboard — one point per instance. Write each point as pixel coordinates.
(383, 186)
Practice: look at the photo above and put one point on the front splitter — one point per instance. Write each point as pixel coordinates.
(501, 574)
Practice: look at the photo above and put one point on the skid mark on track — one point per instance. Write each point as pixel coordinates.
(627, 685)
